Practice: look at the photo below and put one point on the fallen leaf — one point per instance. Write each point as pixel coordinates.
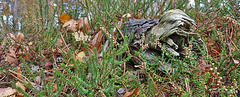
(210, 42)
(130, 94)
(7, 92)
(71, 25)
(64, 18)
(59, 42)
(20, 37)
(12, 37)
(22, 87)
(26, 57)
(84, 25)
(80, 56)
(11, 57)
(97, 41)
(218, 50)
(79, 36)
(19, 84)
(19, 72)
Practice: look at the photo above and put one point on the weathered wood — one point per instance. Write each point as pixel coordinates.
(173, 30)
(138, 26)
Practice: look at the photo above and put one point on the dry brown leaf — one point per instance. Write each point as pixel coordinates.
(64, 18)
(19, 84)
(26, 56)
(11, 57)
(71, 25)
(97, 41)
(19, 37)
(7, 92)
(19, 72)
(84, 25)
(59, 42)
(210, 42)
(11, 37)
(130, 94)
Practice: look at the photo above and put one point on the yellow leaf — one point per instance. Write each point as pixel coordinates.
(80, 56)
(64, 18)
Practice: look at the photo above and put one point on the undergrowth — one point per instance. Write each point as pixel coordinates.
(104, 71)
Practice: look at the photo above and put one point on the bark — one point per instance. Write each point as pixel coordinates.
(15, 15)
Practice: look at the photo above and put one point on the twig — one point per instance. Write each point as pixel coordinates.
(25, 78)
(3, 77)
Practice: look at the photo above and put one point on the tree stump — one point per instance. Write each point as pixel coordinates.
(171, 34)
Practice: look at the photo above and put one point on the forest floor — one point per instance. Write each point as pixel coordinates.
(83, 57)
